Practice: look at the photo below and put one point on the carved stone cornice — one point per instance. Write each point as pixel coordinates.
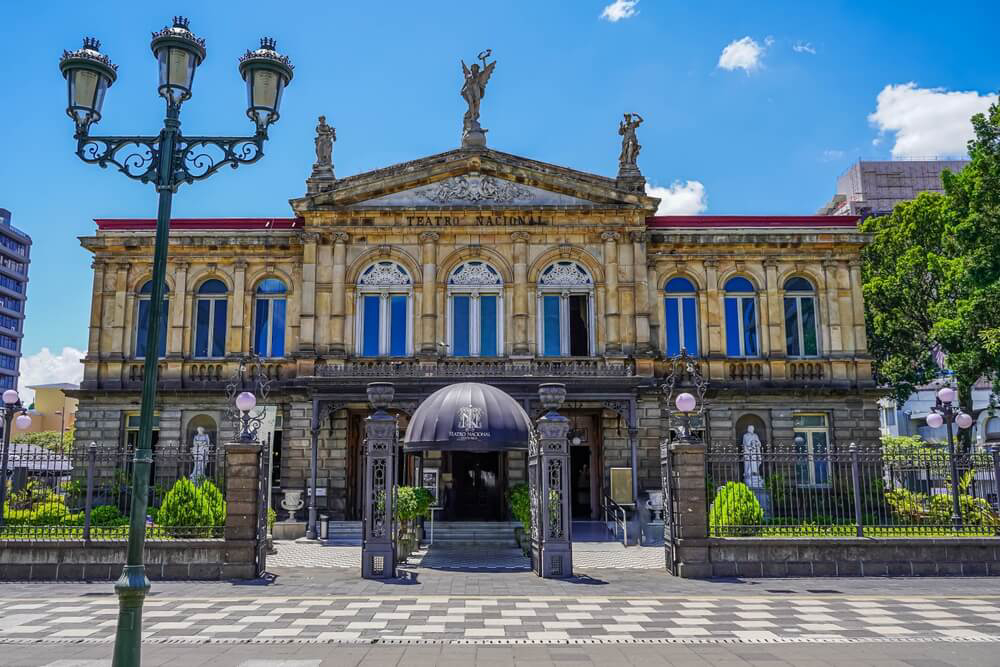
(520, 236)
(610, 236)
(429, 237)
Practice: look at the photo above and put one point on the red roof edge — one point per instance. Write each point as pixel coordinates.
(753, 221)
(125, 224)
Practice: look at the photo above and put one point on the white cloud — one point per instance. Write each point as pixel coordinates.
(832, 154)
(46, 368)
(687, 198)
(804, 47)
(927, 122)
(620, 9)
(744, 54)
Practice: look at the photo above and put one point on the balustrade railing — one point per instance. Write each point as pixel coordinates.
(463, 368)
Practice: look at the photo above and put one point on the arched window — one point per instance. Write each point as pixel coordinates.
(566, 310)
(741, 318)
(475, 310)
(210, 320)
(681, 308)
(384, 311)
(269, 318)
(142, 320)
(800, 318)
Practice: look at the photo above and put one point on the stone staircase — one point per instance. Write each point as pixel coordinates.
(344, 533)
(498, 534)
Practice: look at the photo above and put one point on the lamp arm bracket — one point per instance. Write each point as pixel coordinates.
(137, 157)
(197, 158)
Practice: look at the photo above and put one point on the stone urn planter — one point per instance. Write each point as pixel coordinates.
(292, 502)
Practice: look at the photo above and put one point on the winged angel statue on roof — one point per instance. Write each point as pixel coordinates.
(474, 89)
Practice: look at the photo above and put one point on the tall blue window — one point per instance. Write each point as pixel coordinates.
(475, 297)
(801, 339)
(210, 320)
(681, 308)
(741, 318)
(269, 318)
(812, 443)
(565, 308)
(142, 321)
(384, 311)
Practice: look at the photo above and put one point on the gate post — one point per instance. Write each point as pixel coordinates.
(243, 463)
(548, 474)
(378, 551)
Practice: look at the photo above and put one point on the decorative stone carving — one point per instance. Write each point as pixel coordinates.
(476, 189)
(751, 458)
(520, 236)
(385, 274)
(566, 274)
(325, 136)
(610, 236)
(630, 143)
(475, 273)
(341, 237)
(429, 237)
(473, 91)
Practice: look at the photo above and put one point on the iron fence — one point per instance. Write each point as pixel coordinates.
(86, 494)
(791, 492)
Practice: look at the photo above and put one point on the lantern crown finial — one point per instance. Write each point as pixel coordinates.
(182, 22)
(92, 43)
(268, 44)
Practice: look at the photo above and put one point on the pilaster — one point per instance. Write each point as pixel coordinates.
(520, 311)
(175, 330)
(307, 313)
(832, 306)
(234, 345)
(428, 315)
(337, 291)
(613, 344)
(641, 287)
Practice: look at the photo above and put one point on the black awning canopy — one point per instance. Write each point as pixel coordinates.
(468, 416)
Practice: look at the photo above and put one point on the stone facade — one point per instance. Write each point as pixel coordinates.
(521, 218)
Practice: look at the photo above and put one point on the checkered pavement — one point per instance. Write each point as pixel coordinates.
(422, 619)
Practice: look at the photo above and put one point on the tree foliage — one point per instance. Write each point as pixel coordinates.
(50, 440)
(931, 276)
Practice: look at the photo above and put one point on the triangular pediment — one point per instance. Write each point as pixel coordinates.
(473, 179)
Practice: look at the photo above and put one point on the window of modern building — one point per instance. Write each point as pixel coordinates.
(812, 443)
(8, 362)
(210, 320)
(142, 320)
(269, 318)
(10, 303)
(12, 245)
(384, 311)
(566, 310)
(7, 381)
(11, 284)
(8, 343)
(13, 265)
(741, 318)
(681, 310)
(475, 310)
(10, 323)
(800, 318)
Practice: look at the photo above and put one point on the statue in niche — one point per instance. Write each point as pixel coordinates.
(474, 89)
(630, 143)
(751, 458)
(201, 445)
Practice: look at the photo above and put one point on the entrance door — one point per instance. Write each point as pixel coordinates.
(580, 478)
(476, 486)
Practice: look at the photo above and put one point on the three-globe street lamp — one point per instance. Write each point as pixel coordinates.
(12, 410)
(945, 412)
(168, 160)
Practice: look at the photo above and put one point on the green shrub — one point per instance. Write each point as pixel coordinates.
(216, 503)
(34, 494)
(735, 511)
(412, 502)
(519, 499)
(272, 516)
(184, 509)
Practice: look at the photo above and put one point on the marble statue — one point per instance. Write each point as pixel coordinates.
(325, 136)
(201, 443)
(630, 144)
(473, 91)
(751, 458)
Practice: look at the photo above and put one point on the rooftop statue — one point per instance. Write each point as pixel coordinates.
(630, 144)
(473, 91)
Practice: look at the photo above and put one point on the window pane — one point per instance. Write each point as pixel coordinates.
(369, 325)
(798, 285)
(750, 327)
(550, 325)
(579, 329)
(277, 328)
(792, 328)
(201, 328)
(679, 285)
(801, 421)
(820, 463)
(691, 326)
(260, 328)
(489, 332)
(460, 327)
(809, 343)
(219, 329)
(739, 284)
(733, 327)
(142, 328)
(397, 327)
(673, 328)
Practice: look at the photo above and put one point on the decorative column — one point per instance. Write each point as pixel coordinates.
(613, 345)
(337, 306)
(234, 346)
(324, 276)
(521, 293)
(548, 476)
(713, 309)
(118, 337)
(175, 335)
(858, 305)
(775, 317)
(832, 306)
(96, 312)
(378, 551)
(642, 311)
(428, 310)
(307, 314)
(653, 306)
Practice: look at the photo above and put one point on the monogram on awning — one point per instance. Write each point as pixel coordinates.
(468, 416)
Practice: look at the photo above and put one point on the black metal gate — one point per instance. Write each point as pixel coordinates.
(669, 507)
(263, 489)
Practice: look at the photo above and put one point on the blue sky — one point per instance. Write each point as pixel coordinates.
(750, 108)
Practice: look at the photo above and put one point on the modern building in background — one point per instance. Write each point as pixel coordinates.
(874, 187)
(52, 410)
(15, 255)
(910, 418)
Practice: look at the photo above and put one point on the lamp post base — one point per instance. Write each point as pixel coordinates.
(131, 589)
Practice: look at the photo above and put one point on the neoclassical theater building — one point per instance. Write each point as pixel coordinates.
(478, 264)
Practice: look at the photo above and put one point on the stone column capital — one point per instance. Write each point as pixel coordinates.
(341, 237)
(182, 266)
(770, 263)
(711, 263)
(637, 236)
(98, 265)
(310, 237)
(123, 266)
(240, 265)
(429, 237)
(520, 236)
(610, 236)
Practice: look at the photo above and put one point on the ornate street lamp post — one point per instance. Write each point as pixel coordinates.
(11, 406)
(945, 412)
(684, 407)
(167, 160)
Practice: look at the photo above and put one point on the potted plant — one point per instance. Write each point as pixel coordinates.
(411, 504)
(519, 500)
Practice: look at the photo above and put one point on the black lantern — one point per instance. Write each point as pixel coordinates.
(266, 72)
(178, 53)
(89, 73)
